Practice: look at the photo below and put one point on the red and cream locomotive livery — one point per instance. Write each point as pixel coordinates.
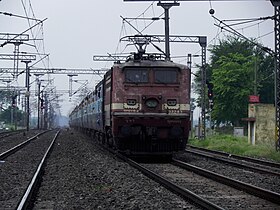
(142, 106)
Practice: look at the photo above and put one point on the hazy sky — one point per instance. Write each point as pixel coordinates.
(76, 30)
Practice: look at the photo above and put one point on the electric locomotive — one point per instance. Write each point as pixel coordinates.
(142, 106)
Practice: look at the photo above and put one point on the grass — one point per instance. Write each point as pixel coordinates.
(238, 146)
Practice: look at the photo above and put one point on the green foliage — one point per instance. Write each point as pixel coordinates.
(231, 71)
(6, 115)
(6, 96)
(238, 146)
(232, 81)
(265, 78)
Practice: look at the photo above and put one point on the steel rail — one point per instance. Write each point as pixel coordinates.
(253, 160)
(232, 162)
(251, 189)
(9, 133)
(19, 146)
(185, 193)
(25, 201)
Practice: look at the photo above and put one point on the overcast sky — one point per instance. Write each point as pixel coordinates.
(76, 30)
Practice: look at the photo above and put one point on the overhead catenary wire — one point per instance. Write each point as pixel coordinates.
(31, 31)
(6, 42)
(141, 16)
(18, 16)
(229, 29)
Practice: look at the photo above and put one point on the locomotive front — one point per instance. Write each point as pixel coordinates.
(149, 106)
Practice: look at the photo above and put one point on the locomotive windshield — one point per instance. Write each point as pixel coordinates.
(168, 75)
(136, 75)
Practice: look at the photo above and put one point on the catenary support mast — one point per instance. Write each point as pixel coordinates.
(276, 4)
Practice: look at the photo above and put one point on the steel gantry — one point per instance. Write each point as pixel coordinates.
(16, 40)
(56, 71)
(15, 37)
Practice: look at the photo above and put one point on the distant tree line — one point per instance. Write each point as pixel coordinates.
(11, 112)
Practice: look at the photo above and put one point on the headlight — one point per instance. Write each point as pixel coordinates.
(171, 102)
(131, 102)
(151, 103)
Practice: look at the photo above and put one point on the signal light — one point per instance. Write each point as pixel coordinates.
(210, 90)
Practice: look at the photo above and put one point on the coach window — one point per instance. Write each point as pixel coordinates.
(166, 76)
(136, 75)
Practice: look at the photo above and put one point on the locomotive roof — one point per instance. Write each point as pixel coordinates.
(142, 63)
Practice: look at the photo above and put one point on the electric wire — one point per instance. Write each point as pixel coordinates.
(31, 31)
(18, 16)
(235, 32)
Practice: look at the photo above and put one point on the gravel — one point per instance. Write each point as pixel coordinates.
(81, 175)
(17, 170)
(265, 181)
(220, 194)
(15, 139)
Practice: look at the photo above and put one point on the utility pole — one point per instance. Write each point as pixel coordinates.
(27, 85)
(166, 7)
(38, 98)
(42, 110)
(39, 101)
(46, 114)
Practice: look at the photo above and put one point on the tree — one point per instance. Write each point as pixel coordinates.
(6, 115)
(231, 71)
(265, 78)
(232, 79)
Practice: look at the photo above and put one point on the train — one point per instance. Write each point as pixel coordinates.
(140, 107)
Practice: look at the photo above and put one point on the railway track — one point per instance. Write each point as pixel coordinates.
(15, 139)
(190, 184)
(207, 189)
(261, 176)
(207, 193)
(258, 165)
(16, 145)
(21, 168)
(5, 134)
(242, 186)
(199, 187)
(183, 192)
(82, 175)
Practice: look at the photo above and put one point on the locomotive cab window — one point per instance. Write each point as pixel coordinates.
(133, 75)
(166, 75)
